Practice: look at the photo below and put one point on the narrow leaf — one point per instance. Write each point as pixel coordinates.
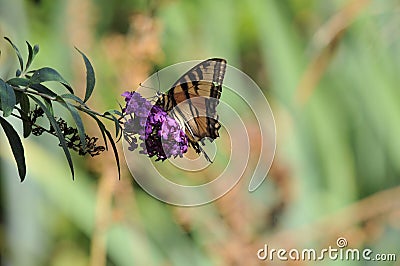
(90, 76)
(49, 105)
(43, 89)
(116, 122)
(49, 74)
(22, 82)
(104, 130)
(31, 55)
(73, 97)
(101, 126)
(25, 107)
(60, 136)
(115, 152)
(16, 147)
(77, 118)
(18, 96)
(116, 112)
(35, 49)
(21, 61)
(7, 97)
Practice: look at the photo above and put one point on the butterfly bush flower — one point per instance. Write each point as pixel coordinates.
(161, 135)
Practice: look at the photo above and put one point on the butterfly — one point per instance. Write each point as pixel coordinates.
(192, 101)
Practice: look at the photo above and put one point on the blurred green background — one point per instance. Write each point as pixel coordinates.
(330, 70)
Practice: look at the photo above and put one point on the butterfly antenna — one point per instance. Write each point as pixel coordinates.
(144, 86)
(152, 98)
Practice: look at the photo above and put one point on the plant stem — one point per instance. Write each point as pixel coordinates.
(26, 90)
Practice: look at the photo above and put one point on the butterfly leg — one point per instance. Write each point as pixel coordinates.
(205, 154)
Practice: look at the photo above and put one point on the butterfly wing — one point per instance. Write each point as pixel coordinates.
(197, 93)
(196, 82)
(198, 114)
(212, 70)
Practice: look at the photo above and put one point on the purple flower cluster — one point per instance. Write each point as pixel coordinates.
(160, 134)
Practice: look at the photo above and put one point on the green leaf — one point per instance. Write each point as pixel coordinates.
(77, 118)
(73, 97)
(31, 55)
(18, 82)
(16, 147)
(35, 49)
(7, 97)
(49, 74)
(23, 82)
(18, 96)
(58, 132)
(49, 105)
(43, 89)
(90, 76)
(21, 61)
(116, 122)
(104, 131)
(25, 108)
(115, 152)
(100, 124)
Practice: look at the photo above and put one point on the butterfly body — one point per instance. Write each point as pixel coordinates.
(192, 101)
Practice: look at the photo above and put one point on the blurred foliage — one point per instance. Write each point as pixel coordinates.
(28, 87)
(329, 70)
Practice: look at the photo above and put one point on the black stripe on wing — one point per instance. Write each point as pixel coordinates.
(212, 70)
